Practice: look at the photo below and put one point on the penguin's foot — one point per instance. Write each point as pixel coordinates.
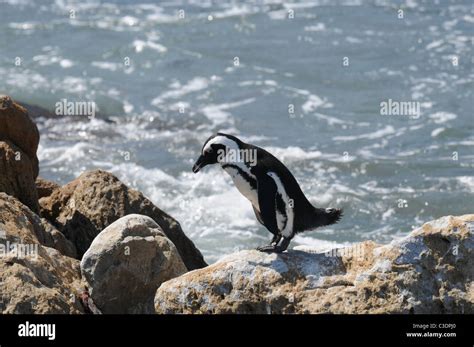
(271, 249)
(267, 248)
(275, 248)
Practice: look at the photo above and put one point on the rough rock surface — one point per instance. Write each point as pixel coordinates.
(19, 223)
(19, 140)
(17, 127)
(35, 278)
(47, 283)
(16, 177)
(96, 199)
(429, 271)
(127, 262)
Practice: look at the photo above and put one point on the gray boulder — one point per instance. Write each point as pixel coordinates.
(127, 262)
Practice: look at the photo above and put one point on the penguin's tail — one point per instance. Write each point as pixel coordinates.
(331, 215)
(320, 217)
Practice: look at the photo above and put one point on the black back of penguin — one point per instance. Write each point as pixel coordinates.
(307, 216)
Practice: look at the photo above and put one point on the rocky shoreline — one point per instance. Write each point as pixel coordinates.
(95, 245)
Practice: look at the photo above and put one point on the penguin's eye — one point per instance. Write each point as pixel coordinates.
(210, 150)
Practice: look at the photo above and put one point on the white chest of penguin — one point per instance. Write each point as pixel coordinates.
(243, 185)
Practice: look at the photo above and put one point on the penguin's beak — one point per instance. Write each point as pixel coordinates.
(199, 164)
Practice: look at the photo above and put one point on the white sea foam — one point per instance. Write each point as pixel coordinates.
(24, 25)
(52, 56)
(129, 20)
(437, 131)
(434, 44)
(24, 79)
(258, 83)
(66, 63)
(315, 27)
(105, 65)
(442, 117)
(467, 181)
(312, 103)
(264, 69)
(387, 130)
(292, 153)
(278, 15)
(329, 119)
(218, 114)
(235, 11)
(388, 214)
(177, 90)
(352, 39)
(140, 45)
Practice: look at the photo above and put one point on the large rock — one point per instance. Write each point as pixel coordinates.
(17, 127)
(20, 223)
(96, 199)
(35, 278)
(127, 262)
(19, 138)
(429, 271)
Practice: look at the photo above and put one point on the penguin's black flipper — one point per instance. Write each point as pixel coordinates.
(267, 190)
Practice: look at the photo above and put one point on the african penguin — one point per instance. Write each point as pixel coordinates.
(276, 197)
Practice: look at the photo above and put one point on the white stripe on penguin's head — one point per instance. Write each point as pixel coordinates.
(220, 140)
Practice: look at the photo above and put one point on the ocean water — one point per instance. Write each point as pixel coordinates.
(303, 79)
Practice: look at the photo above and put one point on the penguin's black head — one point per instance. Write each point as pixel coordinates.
(213, 150)
(206, 158)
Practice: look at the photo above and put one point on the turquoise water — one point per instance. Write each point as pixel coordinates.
(242, 67)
